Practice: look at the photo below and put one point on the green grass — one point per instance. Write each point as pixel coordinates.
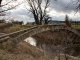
(14, 28)
(20, 27)
(76, 27)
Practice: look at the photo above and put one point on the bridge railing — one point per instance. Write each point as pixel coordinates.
(22, 32)
(15, 34)
(40, 28)
(19, 36)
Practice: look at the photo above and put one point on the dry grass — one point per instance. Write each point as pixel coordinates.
(2, 25)
(9, 29)
(23, 51)
(57, 38)
(53, 37)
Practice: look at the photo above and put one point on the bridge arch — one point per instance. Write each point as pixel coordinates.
(23, 34)
(40, 29)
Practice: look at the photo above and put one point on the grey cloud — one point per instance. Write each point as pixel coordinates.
(60, 6)
(20, 11)
(21, 14)
(76, 19)
(24, 18)
(60, 18)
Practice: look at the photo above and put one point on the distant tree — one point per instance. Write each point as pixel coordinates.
(67, 21)
(17, 22)
(39, 13)
(2, 21)
(21, 22)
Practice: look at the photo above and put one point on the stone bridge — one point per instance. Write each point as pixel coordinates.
(23, 34)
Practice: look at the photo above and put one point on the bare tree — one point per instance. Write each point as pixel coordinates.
(9, 7)
(67, 21)
(38, 11)
(78, 6)
(76, 3)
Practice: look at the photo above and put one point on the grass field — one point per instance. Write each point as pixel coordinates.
(76, 27)
(13, 28)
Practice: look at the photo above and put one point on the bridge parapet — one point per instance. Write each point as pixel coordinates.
(41, 29)
(14, 34)
(23, 34)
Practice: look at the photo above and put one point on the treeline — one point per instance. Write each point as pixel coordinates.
(4, 23)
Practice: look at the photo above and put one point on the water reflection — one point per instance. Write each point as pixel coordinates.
(31, 41)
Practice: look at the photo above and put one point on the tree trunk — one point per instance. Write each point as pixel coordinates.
(46, 22)
(40, 22)
(0, 2)
(37, 22)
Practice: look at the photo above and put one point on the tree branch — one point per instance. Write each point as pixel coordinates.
(5, 4)
(10, 8)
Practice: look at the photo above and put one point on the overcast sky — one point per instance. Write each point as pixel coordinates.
(57, 10)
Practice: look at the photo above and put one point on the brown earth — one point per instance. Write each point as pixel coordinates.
(49, 45)
(65, 41)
